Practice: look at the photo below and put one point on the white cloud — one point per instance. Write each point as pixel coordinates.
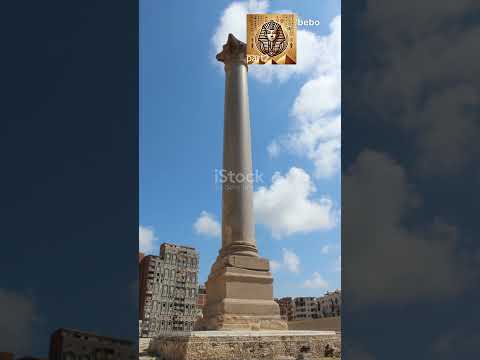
(314, 53)
(147, 239)
(207, 225)
(316, 110)
(316, 282)
(310, 54)
(234, 21)
(316, 129)
(325, 249)
(428, 70)
(275, 265)
(420, 263)
(273, 149)
(287, 206)
(320, 142)
(338, 264)
(309, 105)
(291, 261)
(17, 317)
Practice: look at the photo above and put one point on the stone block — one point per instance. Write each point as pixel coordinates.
(240, 298)
(245, 345)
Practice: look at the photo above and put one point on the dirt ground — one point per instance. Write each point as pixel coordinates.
(331, 323)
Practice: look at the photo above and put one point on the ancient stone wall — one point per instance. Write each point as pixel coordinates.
(244, 347)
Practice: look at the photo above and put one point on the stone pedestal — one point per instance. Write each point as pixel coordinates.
(240, 285)
(240, 296)
(246, 345)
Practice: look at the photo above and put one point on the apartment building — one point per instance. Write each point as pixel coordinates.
(304, 308)
(330, 304)
(168, 291)
(286, 306)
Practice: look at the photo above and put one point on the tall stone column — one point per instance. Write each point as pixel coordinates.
(238, 232)
(240, 284)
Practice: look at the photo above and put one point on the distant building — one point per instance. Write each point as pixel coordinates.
(168, 291)
(201, 303)
(286, 306)
(304, 308)
(201, 299)
(140, 256)
(330, 304)
(67, 344)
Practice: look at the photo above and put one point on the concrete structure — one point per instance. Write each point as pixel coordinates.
(200, 323)
(239, 287)
(168, 291)
(201, 299)
(330, 304)
(287, 306)
(67, 344)
(305, 308)
(246, 345)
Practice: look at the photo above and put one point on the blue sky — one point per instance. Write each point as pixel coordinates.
(295, 122)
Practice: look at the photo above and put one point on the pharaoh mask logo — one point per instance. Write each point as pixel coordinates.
(271, 38)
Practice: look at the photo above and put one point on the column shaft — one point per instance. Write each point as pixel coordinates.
(238, 228)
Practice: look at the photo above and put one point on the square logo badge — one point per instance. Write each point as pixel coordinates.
(272, 39)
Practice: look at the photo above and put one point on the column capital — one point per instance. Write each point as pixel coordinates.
(234, 51)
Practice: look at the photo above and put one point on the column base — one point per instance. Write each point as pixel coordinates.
(241, 249)
(240, 296)
(234, 322)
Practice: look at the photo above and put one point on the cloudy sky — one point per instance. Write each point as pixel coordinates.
(410, 180)
(295, 119)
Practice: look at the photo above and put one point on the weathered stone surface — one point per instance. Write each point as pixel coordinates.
(241, 299)
(242, 262)
(331, 351)
(245, 345)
